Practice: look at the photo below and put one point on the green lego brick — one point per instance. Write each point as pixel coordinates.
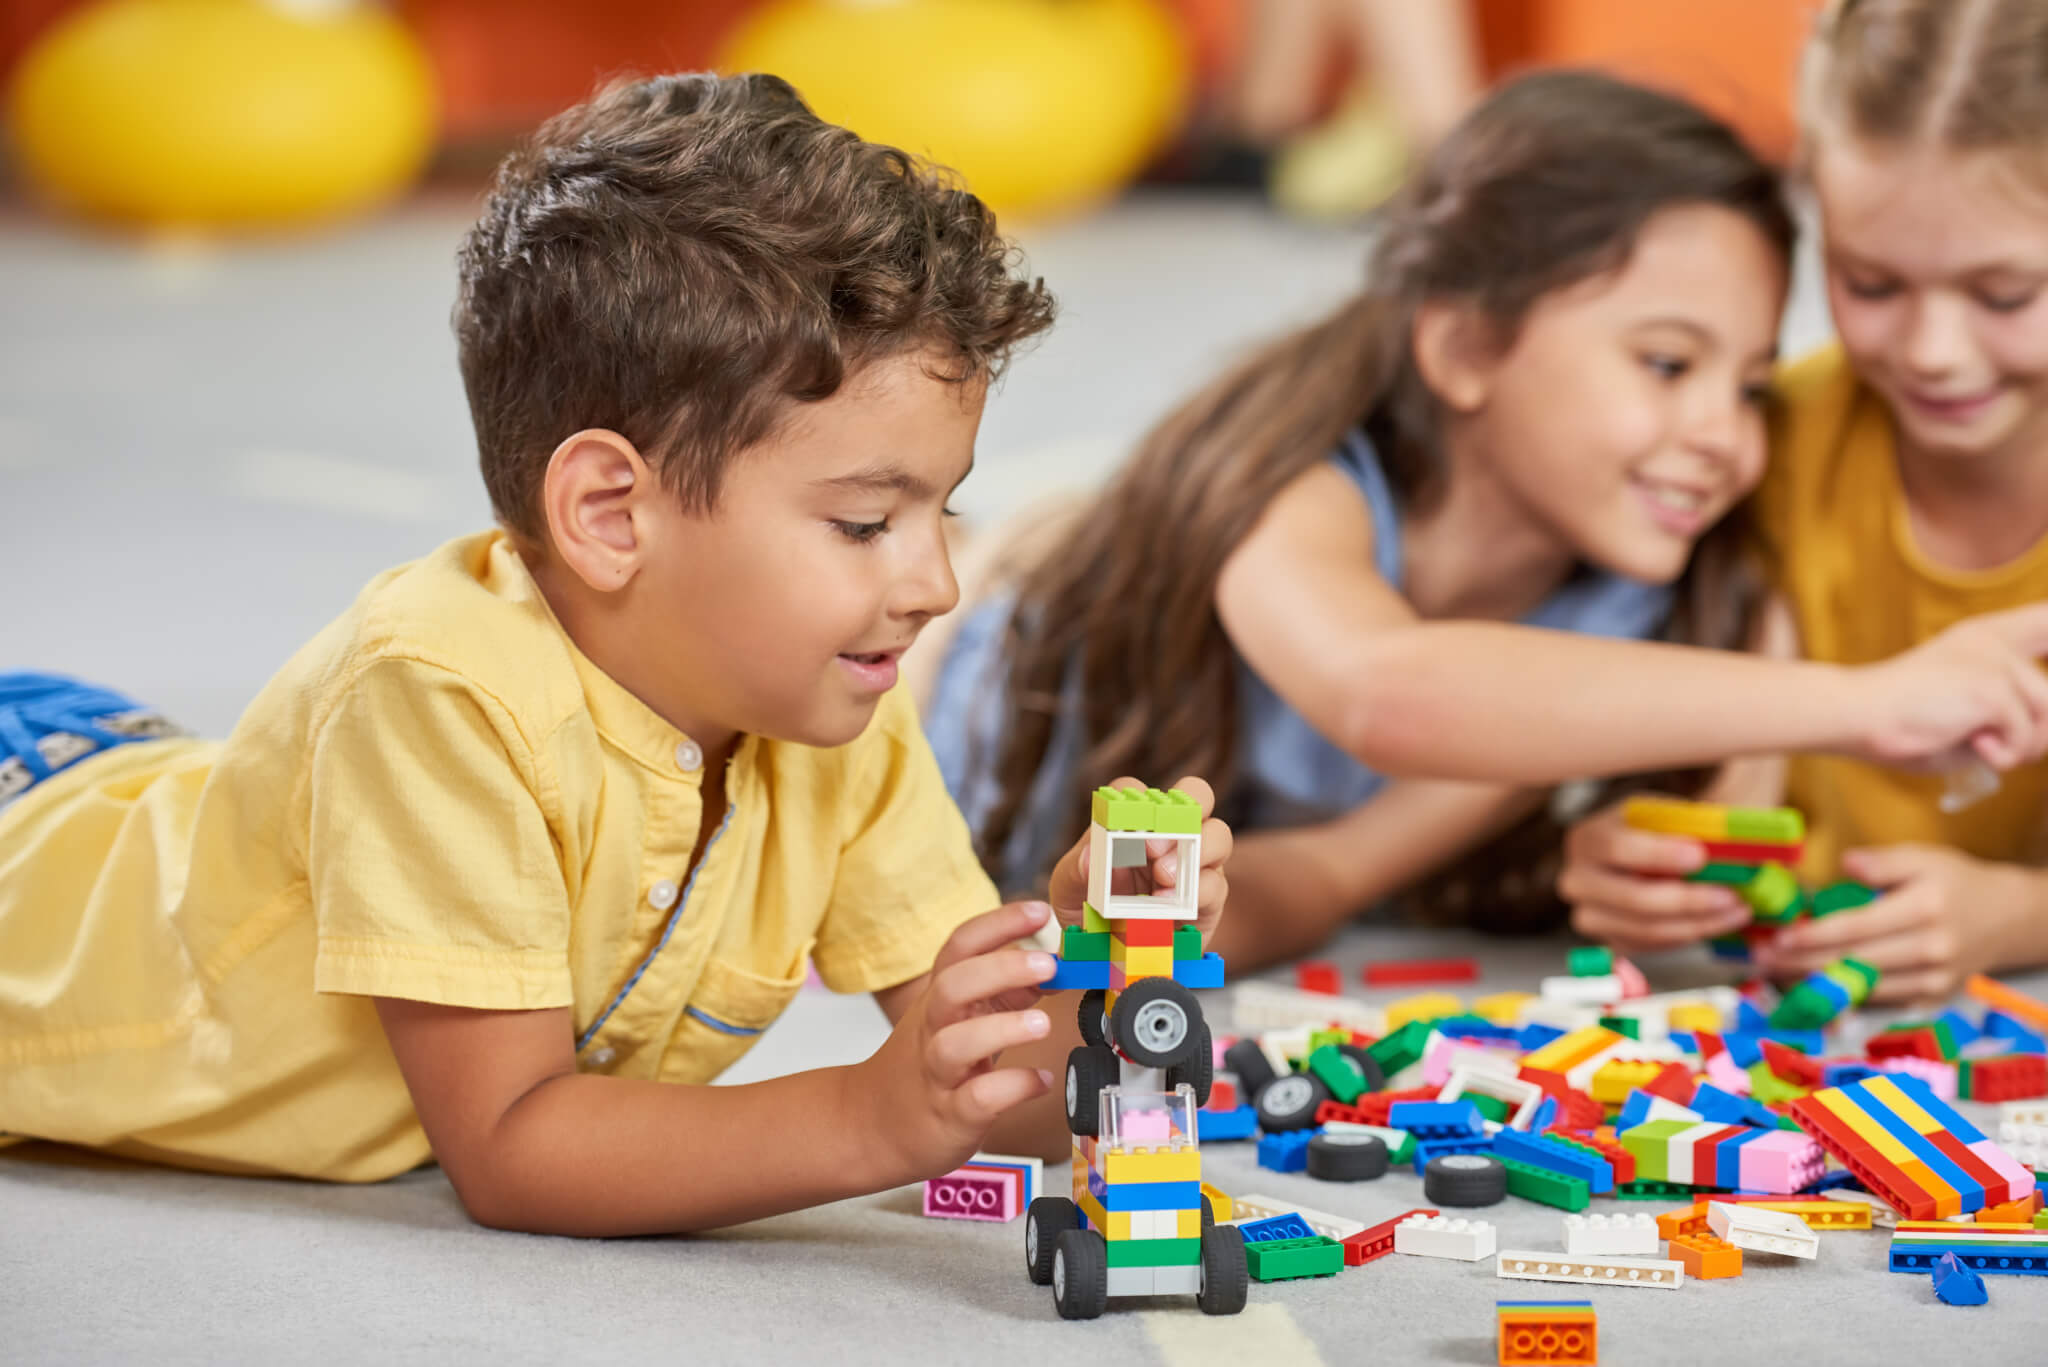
(2040, 1216)
(1868, 972)
(1492, 1107)
(1843, 896)
(1278, 1260)
(1318, 1038)
(1532, 1183)
(1802, 1008)
(1766, 1086)
(1187, 943)
(1777, 825)
(1088, 945)
(1589, 961)
(1642, 1190)
(1093, 921)
(1728, 875)
(1403, 1047)
(1623, 1025)
(1154, 1252)
(1343, 1077)
(1773, 894)
(1148, 810)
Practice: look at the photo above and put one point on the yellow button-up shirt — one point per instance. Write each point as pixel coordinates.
(439, 798)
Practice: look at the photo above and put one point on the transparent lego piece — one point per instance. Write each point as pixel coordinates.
(1148, 1119)
(1969, 781)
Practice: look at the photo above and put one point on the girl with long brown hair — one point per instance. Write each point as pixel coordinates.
(1385, 547)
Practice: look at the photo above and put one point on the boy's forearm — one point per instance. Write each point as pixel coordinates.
(589, 1155)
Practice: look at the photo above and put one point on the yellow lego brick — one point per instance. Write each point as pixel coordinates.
(1116, 1224)
(1190, 1225)
(1700, 820)
(1568, 1051)
(1502, 1008)
(1141, 961)
(1220, 1204)
(1616, 1078)
(1822, 1214)
(1151, 1165)
(1092, 1208)
(1423, 1006)
(1902, 1106)
(1695, 1016)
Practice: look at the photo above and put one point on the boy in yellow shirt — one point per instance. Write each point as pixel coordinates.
(542, 832)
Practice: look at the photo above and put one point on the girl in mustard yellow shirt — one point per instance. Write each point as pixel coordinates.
(1908, 487)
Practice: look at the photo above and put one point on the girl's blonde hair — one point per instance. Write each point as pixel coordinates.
(1966, 74)
(1547, 183)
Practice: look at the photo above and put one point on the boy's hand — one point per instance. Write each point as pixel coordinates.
(1977, 686)
(933, 1088)
(1942, 916)
(1626, 887)
(1069, 886)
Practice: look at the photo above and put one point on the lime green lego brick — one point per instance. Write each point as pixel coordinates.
(1727, 875)
(1403, 1047)
(1338, 1073)
(1093, 921)
(1623, 1025)
(1589, 961)
(1532, 1183)
(1084, 945)
(1187, 943)
(1773, 894)
(1278, 1260)
(1766, 1086)
(2040, 1216)
(1868, 972)
(1154, 1252)
(1842, 896)
(1149, 810)
(1492, 1107)
(1774, 825)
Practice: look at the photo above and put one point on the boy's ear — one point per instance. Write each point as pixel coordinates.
(1456, 353)
(594, 497)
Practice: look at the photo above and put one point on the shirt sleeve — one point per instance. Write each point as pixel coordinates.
(433, 871)
(907, 874)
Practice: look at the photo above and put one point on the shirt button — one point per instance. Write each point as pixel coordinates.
(602, 1055)
(689, 757)
(662, 895)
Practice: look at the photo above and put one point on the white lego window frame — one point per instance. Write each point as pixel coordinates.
(1178, 903)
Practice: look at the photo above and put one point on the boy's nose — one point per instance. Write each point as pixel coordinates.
(1937, 337)
(930, 590)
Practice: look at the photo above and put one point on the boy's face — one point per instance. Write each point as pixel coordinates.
(784, 610)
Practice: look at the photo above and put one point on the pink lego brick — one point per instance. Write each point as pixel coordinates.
(1145, 1127)
(1633, 983)
(2020, 1182)
(1941, 1077)
(1725, 1073)
(1781, 1162)
(974, 1194)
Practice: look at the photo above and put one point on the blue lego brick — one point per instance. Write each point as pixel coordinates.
(1636, 1110)
(1478, 1027)
(1686, 1040)
(1198, 974)
(1078, 975)
(1943, 1114)
(1959, 1028)
(1731, 947)
(1426, 1149)
(2021, 1038)
(1714, 1104)
(1534, 1036)
(1538, 1151)
(1240, 1122)
(2002, 1260)
(1946, 1168)
(1745, 1047)
(1842, 1074)
(1955, 1284)
(1145, 1195)
(1288, 1226)
(1728, 1158)
(1435, 1119)
(1808, 1042)
(1544, 1116)
(1749, 1018)
(1286, 1152)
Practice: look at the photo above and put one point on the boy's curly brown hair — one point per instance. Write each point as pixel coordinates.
(682, 258)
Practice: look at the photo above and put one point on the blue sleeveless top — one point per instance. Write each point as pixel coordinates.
(1288, 773)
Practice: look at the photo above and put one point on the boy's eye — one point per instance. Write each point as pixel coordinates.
(861, 533)
(1670, 367)
(1869, 289)
(2007, 303)
(1758, 394)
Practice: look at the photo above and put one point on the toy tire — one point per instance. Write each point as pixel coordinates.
(1226, 1279)
(1253, 1069)
(1291, 1103)
(1465, 1179)
(1155, 1023)
(1045, 1220)
(1089, 1070)
(1199, 1072)
(1094, 1017)
(1080, 1275)
(1375, 1076)
(1347, 1157)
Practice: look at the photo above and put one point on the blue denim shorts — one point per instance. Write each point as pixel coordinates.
(49, 722)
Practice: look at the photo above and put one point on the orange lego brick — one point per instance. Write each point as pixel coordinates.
(1674, 1224)
(1548, 1334)
(1707, 1257)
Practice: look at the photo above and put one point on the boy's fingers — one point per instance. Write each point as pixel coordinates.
(962, 1047)
(991, 930)
(1647, 852)
(1830, 935)
(989, 1094)
(1615, 926)
(971, 981)
(1931, 985)
(1213, 888)
(1648, 897)
(1198, 788)
(1217, 842)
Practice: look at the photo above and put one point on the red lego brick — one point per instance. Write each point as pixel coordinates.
(1315, 975)
(1147, 933)
(1553, 1083)
(1921, 1043)
(1399, 972)
(1377, 1242)
(1749, 852)
(1372, 1108)
(1623, 1162)
(2009, 1077)
(1791, 1065)
(1222, 1095)
(1674, 1083)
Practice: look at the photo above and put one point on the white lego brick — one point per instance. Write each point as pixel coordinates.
(1155, 1224)
(1436, 1236)
(2023, 1112)
(1679, 1147)
(1034, 1167)
(1525, 1097)
(1269, 1006)
(1663, 1108)
(1110, 850)
(1565, 1016)
(1623, 1235)
(1525, 1265)
(1595, 991)
(2028, 1144)
(1765, 1231)
(1185, 1280)
(1258, 1207)
(1392, 1138)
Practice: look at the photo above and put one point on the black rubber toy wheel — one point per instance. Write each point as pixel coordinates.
(1347, 1156)
(1047, 1219)
(1199, 1072)
(1226, 1281)
(1092, 1016)
(1080, 1274)
(1465, 1179)
(1253, 1069)
(1375, 1076)
(1089, 1070)
(1291, 1103)
(1155, 1022)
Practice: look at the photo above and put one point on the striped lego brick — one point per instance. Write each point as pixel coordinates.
(1911, 1147)
(1713, 821)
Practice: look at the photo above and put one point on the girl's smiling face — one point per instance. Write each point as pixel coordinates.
(1937, 267)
